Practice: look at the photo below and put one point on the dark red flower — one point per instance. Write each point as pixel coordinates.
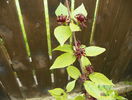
(78, 43)
(79, 52)
(90, 69)
(83, 78)
(81, 19)
(63, 19)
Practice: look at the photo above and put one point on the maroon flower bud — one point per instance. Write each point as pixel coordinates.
(63, 19)
(78, 44)
(83, 78)
(79, 52)
(81, 19)
(90, 69)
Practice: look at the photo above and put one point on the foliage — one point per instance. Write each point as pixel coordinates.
(96, 85)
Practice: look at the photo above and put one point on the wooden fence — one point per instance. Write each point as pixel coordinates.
(24, 77)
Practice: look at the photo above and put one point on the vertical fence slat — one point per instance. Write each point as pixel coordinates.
(7, 76)
(114, 21)
(33, 14)
(3, 94)
(123, 41)
(14, 43)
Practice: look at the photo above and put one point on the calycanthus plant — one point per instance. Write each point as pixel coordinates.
(96, 86)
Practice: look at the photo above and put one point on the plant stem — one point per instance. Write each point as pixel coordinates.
(74, 36)
(68, 7)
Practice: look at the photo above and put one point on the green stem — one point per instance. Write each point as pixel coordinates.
(22, 27)
(74, 37)
(94, 22)
(72, 5)
(47, 28)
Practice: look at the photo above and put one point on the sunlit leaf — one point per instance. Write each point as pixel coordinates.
(64, 48)
(70, 86)
(74, 27)
(85, 61)
(58, 94)
(61, 9)
(73, 72)
(79, 98)
(120, 98)
(62, 33)
(106, 98)
(99, 78)
(92, 89)
(94, 50)
(80, 10)
(63, 60)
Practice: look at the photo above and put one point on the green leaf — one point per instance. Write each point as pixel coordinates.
(74, 27)
(62, 33)
(64, 48)
(92, 89)
(106, 98)
(61, 9)
(70, 86)
(94, 50)
(63, 60)
(85, 61)
(120, 98)
(79, 98)
(73, 72)
(80, 10)
(83, 46)
(100, 79)
(57, 92)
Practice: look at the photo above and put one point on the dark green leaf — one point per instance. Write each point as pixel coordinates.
(63, 60)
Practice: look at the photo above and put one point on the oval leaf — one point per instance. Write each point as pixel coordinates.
(70, 86)
(80, 98)
(100, 79)
(94, 50)
(56, 92)
(61, 9)
(63, 60)
(85, 61)
(73, 72)
(80, 10)
(64, 48)
(62, 33)
(74, 27)
(92, 89)
(106, 98)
